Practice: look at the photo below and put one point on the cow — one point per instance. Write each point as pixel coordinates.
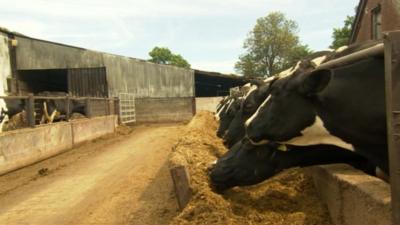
(226, 114)
(344, 107)
(54, 109)
(259, 92)
(10, 108)
(245, 164)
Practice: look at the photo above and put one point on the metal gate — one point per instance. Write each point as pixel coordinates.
(127, 112)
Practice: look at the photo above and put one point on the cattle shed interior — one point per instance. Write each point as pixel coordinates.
(211, 84)
(77, 82)
(35, 81)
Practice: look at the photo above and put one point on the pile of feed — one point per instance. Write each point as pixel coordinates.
(288, 198)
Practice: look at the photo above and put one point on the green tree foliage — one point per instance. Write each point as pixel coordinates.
(162, 55)
(341, 36)
(272, 46)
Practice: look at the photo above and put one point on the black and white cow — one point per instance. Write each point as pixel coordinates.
(55, 109)
(259, 92)
(344, 107)
(10, 108)
(226, 114)
(245, 164)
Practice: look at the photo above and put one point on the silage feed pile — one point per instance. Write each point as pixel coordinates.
(288, 198)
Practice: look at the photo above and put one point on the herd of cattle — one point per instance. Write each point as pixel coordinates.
(13, 111)
(305, 116)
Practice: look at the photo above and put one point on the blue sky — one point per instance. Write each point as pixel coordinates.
(208, 33)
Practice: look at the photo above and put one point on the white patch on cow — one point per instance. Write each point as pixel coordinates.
(318, 61)
(269, 79)
(317, 134)
(5, 120)
(262, 142)
(290, 71)
(229, 105)
(249, 120)
(247, 85)
(252, 88)
(53, 115)
(341, 49)
(217, 115)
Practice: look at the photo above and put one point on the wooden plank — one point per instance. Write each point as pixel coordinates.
(392, 88)
(181, 181)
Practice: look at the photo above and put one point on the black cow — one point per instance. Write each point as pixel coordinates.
(246, 164)
(344, 107)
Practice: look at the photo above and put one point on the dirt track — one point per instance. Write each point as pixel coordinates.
(120, 179)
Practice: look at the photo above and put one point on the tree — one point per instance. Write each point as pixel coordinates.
(271, 46)
(164, 56)
(341, 36)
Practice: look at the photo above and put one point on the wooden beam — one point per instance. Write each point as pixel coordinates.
(181, 181)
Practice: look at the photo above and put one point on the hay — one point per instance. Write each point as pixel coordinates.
(288, 198)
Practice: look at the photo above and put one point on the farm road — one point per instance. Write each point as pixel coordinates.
(119, 179)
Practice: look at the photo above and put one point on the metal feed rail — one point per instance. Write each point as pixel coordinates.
(390, 49)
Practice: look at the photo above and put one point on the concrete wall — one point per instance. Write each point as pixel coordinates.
(124, 74)
(20, 148)
(352, 197)
(5, 64)
(209, 104)
(88, 129)
(164, 109)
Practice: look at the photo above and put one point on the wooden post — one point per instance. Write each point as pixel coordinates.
(116, 109)
(30, 110)
(392, 88)
(88, 108)
(181, 181)
(108, 101)
(67, 107)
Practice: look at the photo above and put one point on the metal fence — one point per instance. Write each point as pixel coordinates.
(32, 106)
(127, 109)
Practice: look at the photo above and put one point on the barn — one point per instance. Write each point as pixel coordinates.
(161, 92)
(373, 17)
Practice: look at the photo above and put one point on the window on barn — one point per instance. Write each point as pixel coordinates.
(376, 23)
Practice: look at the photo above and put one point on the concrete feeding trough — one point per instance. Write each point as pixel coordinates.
(352, 197)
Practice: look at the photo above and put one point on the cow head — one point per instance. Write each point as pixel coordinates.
(248, 107)
(227, 115)
(244, 164)
(287, 115)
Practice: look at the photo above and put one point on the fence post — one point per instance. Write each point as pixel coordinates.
(88, 108)
(116, 109)
(30, 110)
(109, 106)
(67, 107)
(392, 81)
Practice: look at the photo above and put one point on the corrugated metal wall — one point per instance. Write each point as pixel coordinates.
(88, 82)
(124, 74)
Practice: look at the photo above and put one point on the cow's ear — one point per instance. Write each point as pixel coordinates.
(315, 82)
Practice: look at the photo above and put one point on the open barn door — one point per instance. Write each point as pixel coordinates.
(127, 112)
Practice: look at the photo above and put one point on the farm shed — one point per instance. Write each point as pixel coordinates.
(211, 84)
(162, 93)
(374, 17)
